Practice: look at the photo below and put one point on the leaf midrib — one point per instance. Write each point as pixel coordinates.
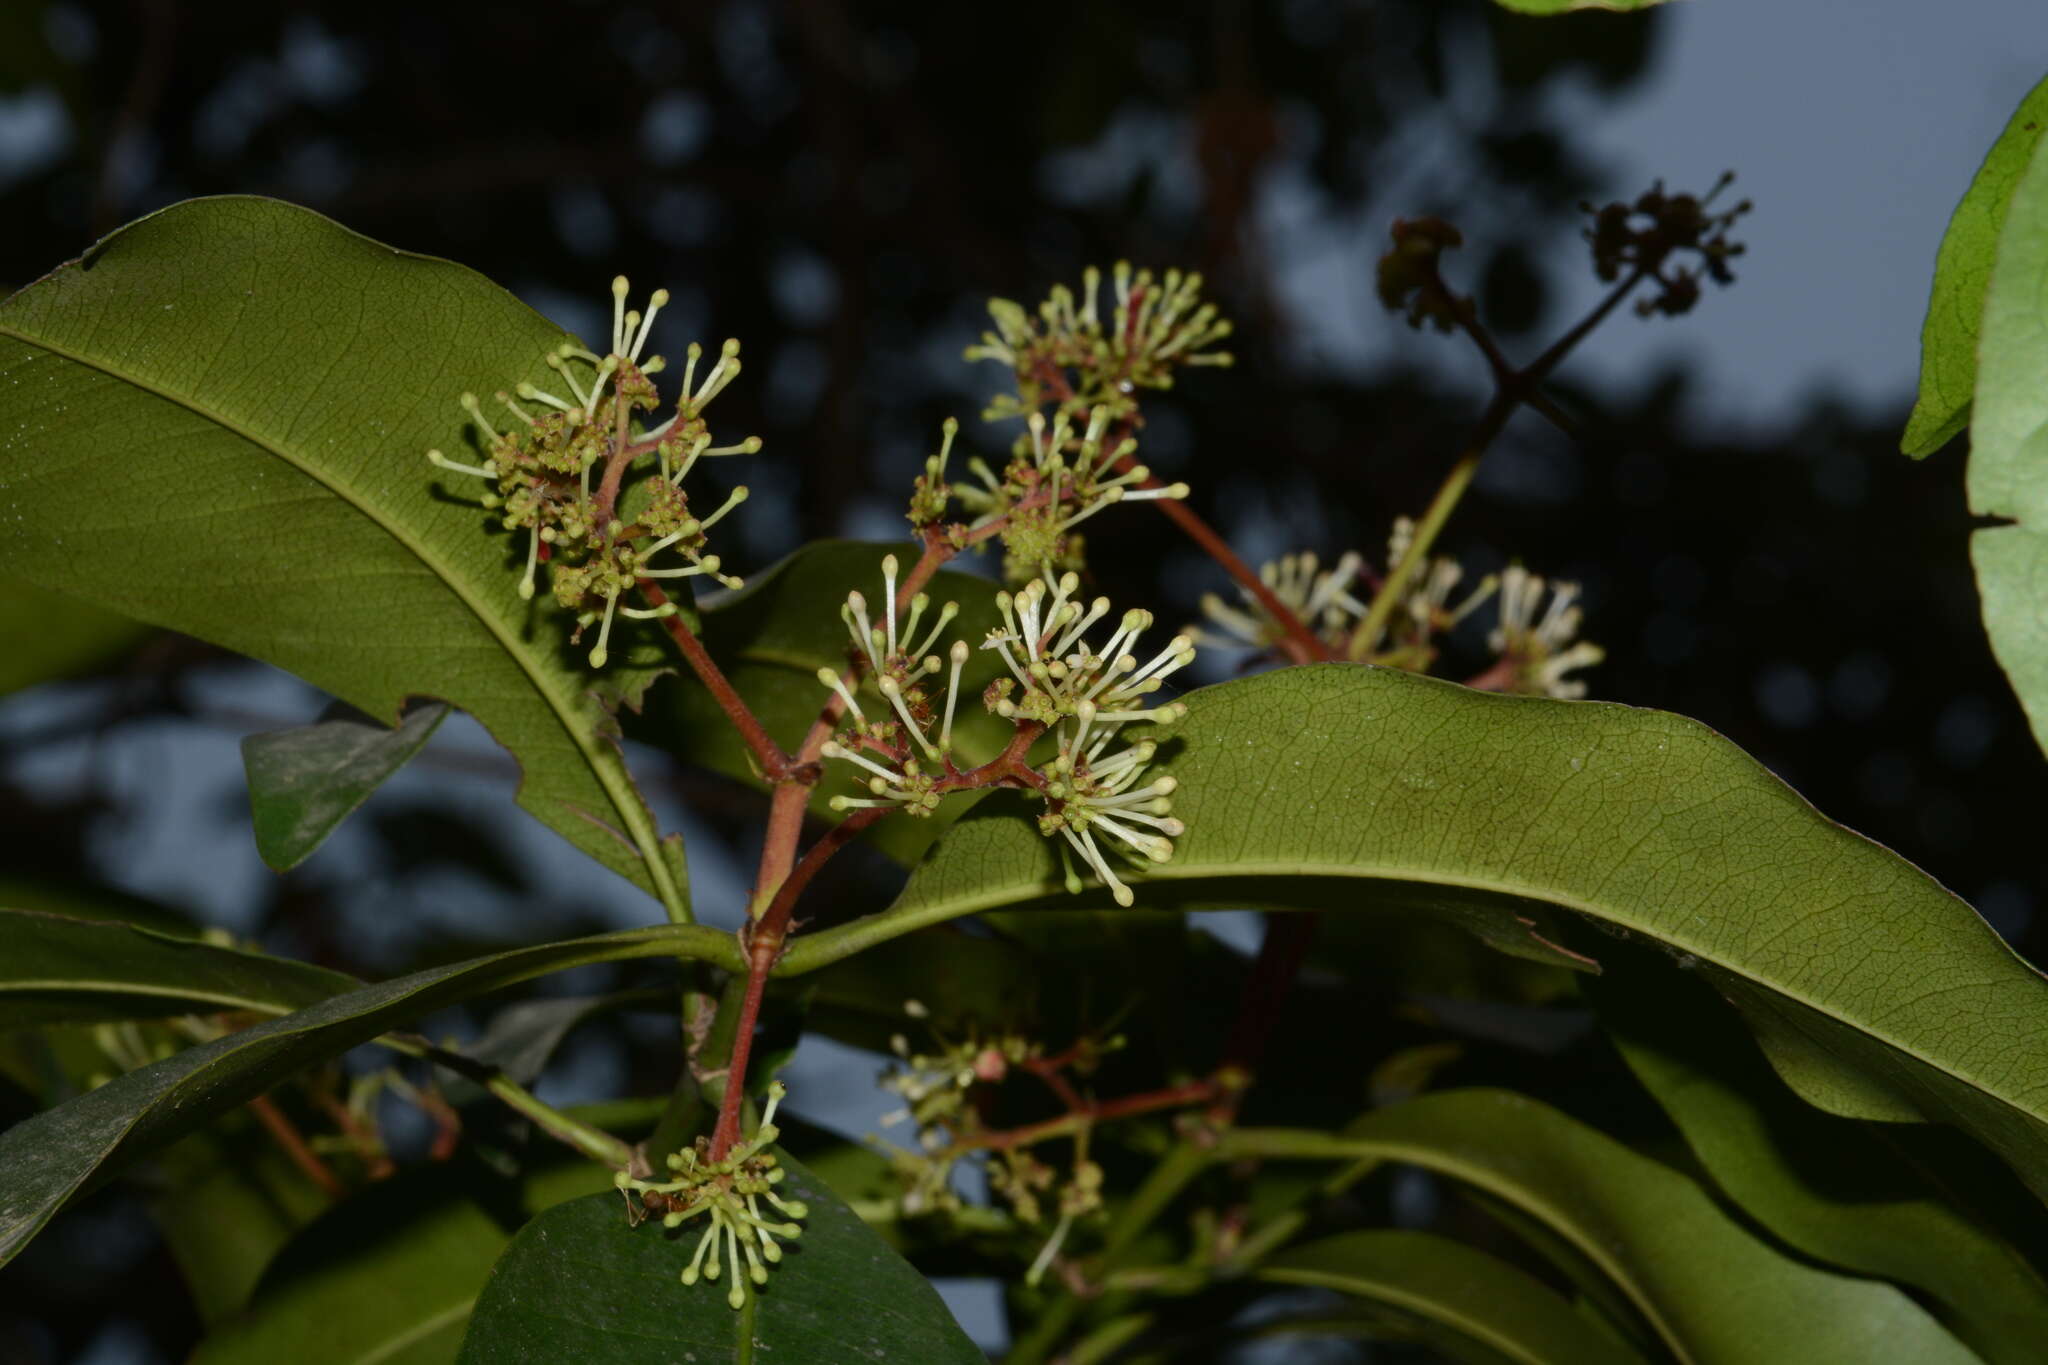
(83, 986)
(941, 911)
(625, 804)
(391, 1346)
(1430, 1305)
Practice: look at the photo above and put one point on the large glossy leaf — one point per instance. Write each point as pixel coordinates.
(1962, 271)
(303, 782)
(215, 421)
(51, 636)
(1843, 1191)
(578, 1284)
(50, 1159)
(1876, 992)
(771, 638)
(2008, 473)
(1458, 1292)
(389, 1277)
(54, 968)
(1714, 1293)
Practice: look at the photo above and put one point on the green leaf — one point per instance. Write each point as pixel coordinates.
(1962, 271)
(771, 638)
(269, 382)
(2008, 471)
(53, 969)
(389, 1277)
(1572, 6)
(49, 1160)
(1840, 1190)
(225, 1199)
(1712, 1291)
(303, 782)
(51, 636)
(578, 1284)
(1464, 1293)
(1875, 991)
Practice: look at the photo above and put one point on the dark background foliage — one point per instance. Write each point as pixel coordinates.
(841, 185)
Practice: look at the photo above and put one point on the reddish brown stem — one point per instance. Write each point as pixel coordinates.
(764, 945)
(287, 1137)
(1129, 1106)
(1047, 1069)
(1299, 643)
(775, 764)
(1258, 1009)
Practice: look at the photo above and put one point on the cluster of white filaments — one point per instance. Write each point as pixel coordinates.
(1087, 694)
(1320, 598)
(1169, 325)
(1535, 648)
(729, 1193)
(545, 463)
(1067, 469)
(911, 731)
(1539, 649)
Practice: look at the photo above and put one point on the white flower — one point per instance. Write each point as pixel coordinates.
(1320, 599)
(1539, 649)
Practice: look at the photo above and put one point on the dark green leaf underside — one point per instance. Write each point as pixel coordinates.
(303, 782)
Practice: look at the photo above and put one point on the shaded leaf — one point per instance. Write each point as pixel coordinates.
(1712, 1291)
(1462, 1293)
(225, 1199)
(1839, 1190)
(50, 1159)
(1875, 991)
(389, 1277)
(1962, 273)
(305, 781)
(578, 1284)
(51, 636)
(54, 968)
(271, 381)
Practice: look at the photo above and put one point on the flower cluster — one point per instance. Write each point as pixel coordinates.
(1644, 235)
(1084, 693)
(910, 732)
(1537, 652)
(564, 468)
(1078, 368)
(1409, 277)
(1058, 476)
(1076, 356)
(728, 1193)
(945, 1093)
(1534, 653)
(1321, 598)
